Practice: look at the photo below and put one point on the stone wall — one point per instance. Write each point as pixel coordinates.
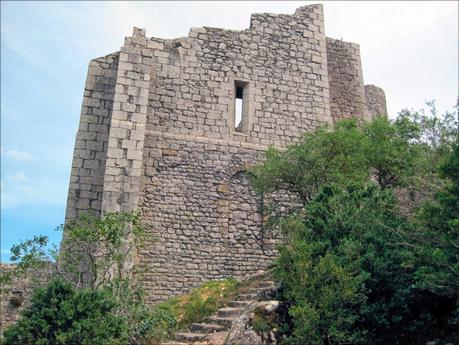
(347, 93)
(202, 213)
(281, 58)
(89, 157)
(15, 295)
(127, 130)
(376, 100)
(197, 201)
(172, 148)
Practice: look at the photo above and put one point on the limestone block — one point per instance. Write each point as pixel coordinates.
(223, 188)
(169, 152)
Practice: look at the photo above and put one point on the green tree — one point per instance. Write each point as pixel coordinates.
(323, 156)
(336, 266)
(31, 256)
(95, 257)
(436, 241)
(98, 250)
(59, 314)
(392, 152)
(353, 267)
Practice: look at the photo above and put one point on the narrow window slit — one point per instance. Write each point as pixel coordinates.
(239, 106)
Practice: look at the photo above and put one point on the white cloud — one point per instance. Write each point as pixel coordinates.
(17, 155)
(18, 177)
(409, 48)
(20, 190)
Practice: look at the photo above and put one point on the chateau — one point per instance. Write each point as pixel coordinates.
(168, 127)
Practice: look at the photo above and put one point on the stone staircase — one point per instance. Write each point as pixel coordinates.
(215, 328)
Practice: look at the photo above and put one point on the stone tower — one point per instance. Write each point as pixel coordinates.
(168, 126)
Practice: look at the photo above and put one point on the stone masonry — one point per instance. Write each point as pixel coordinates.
(16, 294)
(158, 134)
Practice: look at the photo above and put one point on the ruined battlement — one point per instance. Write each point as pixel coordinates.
(168, 126)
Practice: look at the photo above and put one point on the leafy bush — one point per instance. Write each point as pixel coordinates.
(61, 314)
(181, 311)
(354, 268)
(259, 325)
(330, 260)
(205, 300)
(95, 257)
(322, 156)
(98, 250)
(436, 254)
(162, 324)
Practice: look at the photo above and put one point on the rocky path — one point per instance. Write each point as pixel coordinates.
(215, 328)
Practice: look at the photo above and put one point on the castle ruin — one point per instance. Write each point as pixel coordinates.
(168, 126)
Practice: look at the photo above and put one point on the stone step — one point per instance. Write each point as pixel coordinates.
(189, 337)
(230, 312)
(261, 288)
(206, 328)
(174, 343)
(224, 321)
(265, 286)
(240, 304)
(248, 296)
(266, 283)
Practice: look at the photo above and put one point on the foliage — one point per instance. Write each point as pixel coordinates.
(436, 252)
(438, 133)
(354, 269)
(329, 260)
(205, 300)
(97, 250)
(30, 255)
(61, 314)
(391, 151)
(33, 252)
(435, 139)
(140, 319)
(94, 251)
(259, 325)
(401, 153)
(302, 168)
(181, 311)
(95, 257)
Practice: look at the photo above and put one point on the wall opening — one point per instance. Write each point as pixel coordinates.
(240, 105)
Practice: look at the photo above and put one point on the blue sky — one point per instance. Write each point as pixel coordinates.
(408, 48)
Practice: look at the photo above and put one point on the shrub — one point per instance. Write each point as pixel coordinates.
(95, 257)
(97, 250)
(161, 324)
(61, 315)
(16, 301)
(181, 311)
(354, 269)
(259, 325)
(205, 300)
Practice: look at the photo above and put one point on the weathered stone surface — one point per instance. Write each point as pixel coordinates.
(222, 188)
(158, 134)
(376, 100)
(241, 333)
(169, 152)
(347, 93)
(15, 295)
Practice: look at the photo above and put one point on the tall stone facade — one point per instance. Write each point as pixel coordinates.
(170, 126)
